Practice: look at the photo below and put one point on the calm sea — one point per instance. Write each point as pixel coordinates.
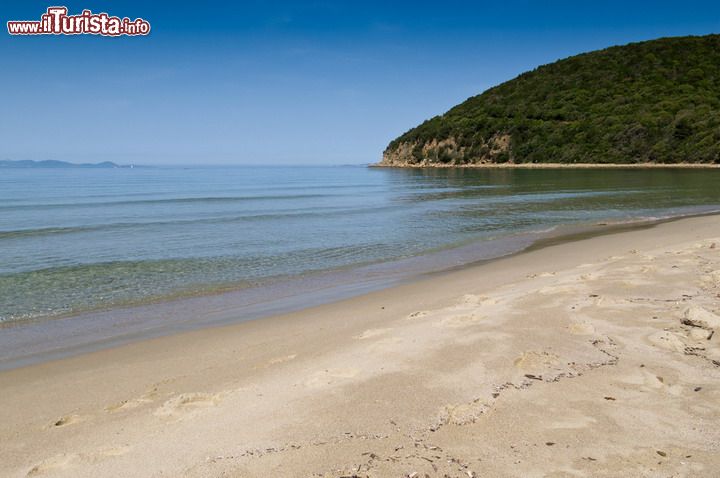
(78, 240)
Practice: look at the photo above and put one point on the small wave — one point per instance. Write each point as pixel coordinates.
(185, 200)
(546, 230)
(49, 231)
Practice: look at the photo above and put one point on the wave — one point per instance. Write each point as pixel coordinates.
(185, 200)
(315, 212)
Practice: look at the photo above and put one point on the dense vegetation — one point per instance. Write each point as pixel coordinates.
(655, 101)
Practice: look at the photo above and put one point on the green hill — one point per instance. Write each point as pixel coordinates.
(655, 101)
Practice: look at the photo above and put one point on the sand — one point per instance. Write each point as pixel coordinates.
(593, 358)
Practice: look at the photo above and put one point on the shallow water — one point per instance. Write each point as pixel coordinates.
(75, 240)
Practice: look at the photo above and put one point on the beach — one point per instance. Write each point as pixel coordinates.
(596, 357)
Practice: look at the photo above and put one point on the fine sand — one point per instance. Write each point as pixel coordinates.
(594, 358)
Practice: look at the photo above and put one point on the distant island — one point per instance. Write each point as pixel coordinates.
(50, 163)
(654, 102)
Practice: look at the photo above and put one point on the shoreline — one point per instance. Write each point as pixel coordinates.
(68, 335)
(550, 166)
(573, 356)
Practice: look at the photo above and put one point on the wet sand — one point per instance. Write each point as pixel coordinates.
(598, 357)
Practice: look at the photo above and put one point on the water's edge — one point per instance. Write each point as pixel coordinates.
(28, 343)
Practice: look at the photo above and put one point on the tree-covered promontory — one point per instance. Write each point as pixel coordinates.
(651, 102)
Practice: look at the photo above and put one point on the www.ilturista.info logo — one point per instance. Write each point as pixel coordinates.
(57, 22)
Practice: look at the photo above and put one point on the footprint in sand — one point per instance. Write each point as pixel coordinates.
(461, 414)
(275, 361)
(369, 333)
(541, 274)
(667, 340)
(711, 244)
(129, 404)
(699, 335)
(331, 376)
(558, 289)
(66, 420)
(187, 403)
(68, 460)
(581, 328)
(701, 317)
(536, 361)
(477, 300)
(652, 381)
(54, 463)
(575, 421)
(649, 381)
(472, 299)
(418, 315)
(712, 279)
(458, 321)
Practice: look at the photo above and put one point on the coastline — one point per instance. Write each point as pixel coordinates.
(41, 340)
(571, 356)
(551, 166)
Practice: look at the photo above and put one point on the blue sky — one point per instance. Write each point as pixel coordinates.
(320, 82)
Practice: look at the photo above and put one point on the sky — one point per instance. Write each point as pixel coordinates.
(277, 83)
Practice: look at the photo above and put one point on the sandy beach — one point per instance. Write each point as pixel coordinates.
(598, 357)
